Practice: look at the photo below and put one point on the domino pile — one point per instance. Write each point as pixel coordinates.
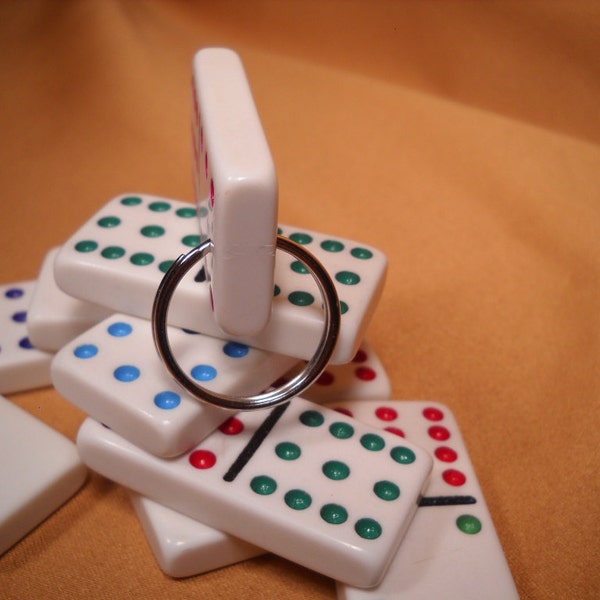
(378, 494)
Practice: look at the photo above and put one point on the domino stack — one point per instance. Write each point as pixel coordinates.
(379, 495)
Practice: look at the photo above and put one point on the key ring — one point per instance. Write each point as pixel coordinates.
(272, 397)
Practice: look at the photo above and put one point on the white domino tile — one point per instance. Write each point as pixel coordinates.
(362, 378)
(302, 481)
(184, 547)
(55, 318)
(236, 179)
(22, 365)
(118, 258)
(39, 471)
(451, 549)
(114, 374)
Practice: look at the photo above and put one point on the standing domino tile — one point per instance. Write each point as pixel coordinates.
(236, 178)
(451, 549)
(114, 374)
(184, 547)
(55, 318)
(302, 481)
(118, 258)
(39, 471)
(364, 377)
(22, 365)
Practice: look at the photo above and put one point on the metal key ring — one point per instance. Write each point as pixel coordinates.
(272, 397)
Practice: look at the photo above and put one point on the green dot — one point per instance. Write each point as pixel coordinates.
(131, 201)
(288, 451)
(159, 206)
(141, 259)
(343, 308)
(109, 222)
(113, 252)
(469, 524)
(368, 529)
(152, 231)
(186, 212)
(361, 253)
(298, 499)
(301, 298)
(347, 278)
(342, 431)
(403, 455)
(312, 418)
(276, 291)
(334, 514)
(86, 246)
(336, 470)
(203, 212)
(372, 441)
(279, 231)
(299, 267)
(191, 240)
(332, 246)
(386, 490)
(263, 485)
(301, 238)
(165, 265)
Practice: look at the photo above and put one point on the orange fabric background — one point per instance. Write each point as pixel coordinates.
(461, 138)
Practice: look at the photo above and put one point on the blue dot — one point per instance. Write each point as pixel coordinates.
(126, 373)
(167, 400)
(235, 350)
(20, 317)
(204, 372)
(13, 293)
(86, 351)
(120, 329)
(26, 344)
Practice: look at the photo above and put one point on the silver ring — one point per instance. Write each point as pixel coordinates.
(272, 397)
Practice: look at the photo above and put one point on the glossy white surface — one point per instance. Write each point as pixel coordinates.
(22, 366)
(55, 318)
(280, 479)
(117, 258)
(114, 374)
(450, 552)
(40, 469)
(236, 179)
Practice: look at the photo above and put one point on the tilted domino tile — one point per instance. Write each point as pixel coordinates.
(113, 373)
(55, 318)
(236, 179)
(118, 258)
(451, 549)
(22, 365)
(184, 547)
(364, 377)
(302, 481)
(39, 471)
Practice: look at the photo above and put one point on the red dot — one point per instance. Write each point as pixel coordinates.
(439, 433)
(433, 414)
(212, 192)
(206, 166)
(326, 378)
(202, 459)
(344, 411)
(365, 373)
(395, 431)
(386, 413)
(360, 357)
(454, 477)
(445, 454)
(232, 426)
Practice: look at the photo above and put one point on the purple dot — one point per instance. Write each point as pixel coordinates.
(13, 293)
(26, 344)
(20, 317)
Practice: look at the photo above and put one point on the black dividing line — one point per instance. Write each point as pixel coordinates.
(446, 500)
(254, 443)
